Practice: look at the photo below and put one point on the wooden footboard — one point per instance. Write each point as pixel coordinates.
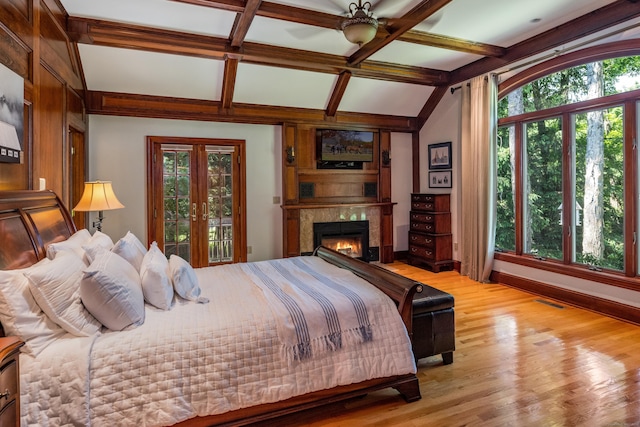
(398, 288)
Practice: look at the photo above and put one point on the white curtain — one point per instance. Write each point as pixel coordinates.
(478, 148)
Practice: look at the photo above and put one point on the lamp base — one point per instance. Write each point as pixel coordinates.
(98, 224)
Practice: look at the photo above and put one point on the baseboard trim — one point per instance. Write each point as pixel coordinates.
(596, 304)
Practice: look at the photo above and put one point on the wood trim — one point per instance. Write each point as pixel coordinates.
(452, 43)
(431, 104)
(229, 82)
(338, 93)
(135, 105)
(336, 205)
(397, 28)
(608, 277)
(243, 22)
(599, 305)
(115, 34)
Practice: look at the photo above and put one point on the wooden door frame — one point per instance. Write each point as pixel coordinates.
(153, 193)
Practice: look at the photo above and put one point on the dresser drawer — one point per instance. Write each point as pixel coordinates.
(430, 222)
(430, 247)
(430, 202)
(8, 383)
(422, 240)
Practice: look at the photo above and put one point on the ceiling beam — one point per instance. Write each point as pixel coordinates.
(614, 13)
(243, 22)
(397, 28)
(338, 93)
(229, 82)
(230, 5)
(116, 34)
(452, 43)
(149, 106)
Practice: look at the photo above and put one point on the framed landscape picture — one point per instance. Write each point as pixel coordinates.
(440, 155)
(440, 179)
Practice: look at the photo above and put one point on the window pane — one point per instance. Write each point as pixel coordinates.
(506, 219)
(599, 194)
(176, 202)
(543, 188)
(219, 193)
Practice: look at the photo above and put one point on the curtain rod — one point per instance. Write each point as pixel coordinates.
(560, 52)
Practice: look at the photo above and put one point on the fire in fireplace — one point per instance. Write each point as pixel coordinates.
(349, 237)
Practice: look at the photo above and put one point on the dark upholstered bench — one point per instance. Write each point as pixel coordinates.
(433, 324)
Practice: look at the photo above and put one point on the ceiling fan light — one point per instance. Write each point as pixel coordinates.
(360, 29)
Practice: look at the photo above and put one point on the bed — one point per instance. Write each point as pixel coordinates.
(201, 364)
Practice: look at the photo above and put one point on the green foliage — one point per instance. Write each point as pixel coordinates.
(543, 165)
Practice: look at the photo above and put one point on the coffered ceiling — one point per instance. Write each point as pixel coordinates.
(290, 54)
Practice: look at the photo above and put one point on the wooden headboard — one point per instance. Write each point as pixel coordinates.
(29, 222)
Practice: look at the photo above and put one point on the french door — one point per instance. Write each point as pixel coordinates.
(197, 199)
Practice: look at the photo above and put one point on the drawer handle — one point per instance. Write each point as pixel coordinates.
(428, 241)
(429, 227)
(429, 253)
(414, 250)
(6, 394)
(429, 218)
(414, 238)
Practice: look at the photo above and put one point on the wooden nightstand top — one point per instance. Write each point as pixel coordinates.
(8, 346)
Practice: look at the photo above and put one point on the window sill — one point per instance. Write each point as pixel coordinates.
(607, 277)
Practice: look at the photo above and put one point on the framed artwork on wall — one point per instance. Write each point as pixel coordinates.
(440, 179)
(440, 155)
(11, 115)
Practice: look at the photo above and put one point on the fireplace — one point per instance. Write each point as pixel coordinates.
(349, 237)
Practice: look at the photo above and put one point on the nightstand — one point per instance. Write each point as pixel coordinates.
(9, 381)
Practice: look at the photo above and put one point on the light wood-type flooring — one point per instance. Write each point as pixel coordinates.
(520, 360)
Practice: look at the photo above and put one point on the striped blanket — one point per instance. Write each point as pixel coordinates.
(320, 308)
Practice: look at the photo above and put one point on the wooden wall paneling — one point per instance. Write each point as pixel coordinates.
(292, 233)
(49, 145)
(386, 234)
(290, 175)
(384, 187)
(339, 186)
(76, 116)
(14, 54)
(77, 162)
(306, 147)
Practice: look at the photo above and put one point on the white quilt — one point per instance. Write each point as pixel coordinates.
(201, 359)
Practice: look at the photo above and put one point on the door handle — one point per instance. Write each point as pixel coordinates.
(204, 211)
(194, 213)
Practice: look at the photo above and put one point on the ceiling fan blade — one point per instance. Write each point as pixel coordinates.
(377, 7)
(340, 7)
(305, 33)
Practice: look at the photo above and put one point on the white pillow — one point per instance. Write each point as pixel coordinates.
(131, 249)
(73, 243)
(98, 241)
(21, 316)
(185, 282)
(156, 283)
(55, 287)
(110, 289)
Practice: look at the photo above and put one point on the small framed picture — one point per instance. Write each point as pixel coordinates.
(440, 179)
(440, 155)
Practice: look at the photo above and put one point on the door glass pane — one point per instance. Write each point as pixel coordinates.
(176, 201)
(506, 214)
(599, 190)
(220, 204)
(543, 188)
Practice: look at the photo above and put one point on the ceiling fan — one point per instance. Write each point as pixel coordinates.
(360, 23)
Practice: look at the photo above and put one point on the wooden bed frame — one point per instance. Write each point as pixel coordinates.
(31, 220)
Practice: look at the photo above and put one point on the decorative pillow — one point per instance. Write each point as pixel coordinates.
(55, 287)
(131, 249)
(156, 283)
(110, 289)
(21, 316)
(185, 282)
(73, 243)
(98, 241)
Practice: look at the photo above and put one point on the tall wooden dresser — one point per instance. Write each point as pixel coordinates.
(430, 231)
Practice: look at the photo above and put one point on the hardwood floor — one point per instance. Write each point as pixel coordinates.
(520, 360)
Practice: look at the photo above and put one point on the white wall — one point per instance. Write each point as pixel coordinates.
(401, 188)
(444, 125)
(117, 153)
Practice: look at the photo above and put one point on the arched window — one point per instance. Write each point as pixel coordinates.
(567, 164)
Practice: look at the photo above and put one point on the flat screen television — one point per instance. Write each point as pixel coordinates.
(344, 146)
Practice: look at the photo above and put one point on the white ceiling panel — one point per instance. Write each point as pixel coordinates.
(506, 22)
(299, 36)
(149, 73)
(381, 97)
(156, 13)
(423, 56)
(256, 84)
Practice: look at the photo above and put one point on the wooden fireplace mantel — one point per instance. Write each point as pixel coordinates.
(305, 186)
(338, 205)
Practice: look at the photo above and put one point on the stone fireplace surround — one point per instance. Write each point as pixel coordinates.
(335, 214)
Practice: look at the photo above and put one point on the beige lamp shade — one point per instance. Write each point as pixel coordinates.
(98, 196)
